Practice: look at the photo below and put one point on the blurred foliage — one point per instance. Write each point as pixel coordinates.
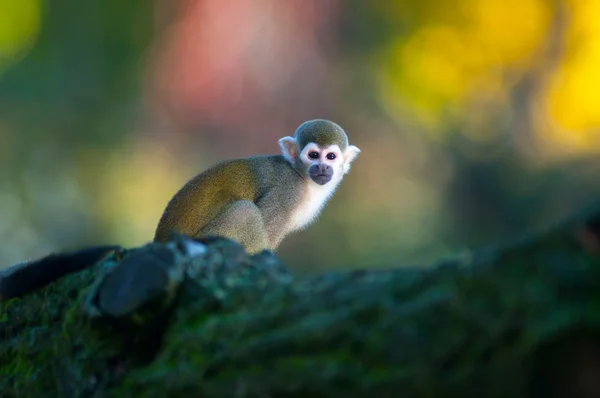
(456, 51)
(19, 26)
(477, 118)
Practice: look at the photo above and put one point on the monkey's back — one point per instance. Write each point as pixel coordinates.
(206, 195)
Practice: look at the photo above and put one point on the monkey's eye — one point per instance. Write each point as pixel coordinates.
(331, 156)
(313, 155)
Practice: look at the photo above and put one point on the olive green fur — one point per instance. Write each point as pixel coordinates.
(322, 132)
(503, 321)
(246, 200)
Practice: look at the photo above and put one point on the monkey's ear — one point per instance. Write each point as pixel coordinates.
(289, 148)
(350, 154)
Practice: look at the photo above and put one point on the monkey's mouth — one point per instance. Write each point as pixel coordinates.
(321, 179)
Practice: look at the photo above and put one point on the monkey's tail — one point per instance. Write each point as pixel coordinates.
(25, 277)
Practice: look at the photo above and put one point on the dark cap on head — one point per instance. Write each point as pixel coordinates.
(322, 132)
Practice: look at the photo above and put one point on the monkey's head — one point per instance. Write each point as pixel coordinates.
(319, 151)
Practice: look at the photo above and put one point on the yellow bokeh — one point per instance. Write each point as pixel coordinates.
(573, 100)
(139, 181)
(432, 71)
(509, 32)
(19, 26)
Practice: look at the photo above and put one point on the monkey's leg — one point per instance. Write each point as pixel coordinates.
(241, 221)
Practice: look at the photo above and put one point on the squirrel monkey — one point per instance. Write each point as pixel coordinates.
(257, 201)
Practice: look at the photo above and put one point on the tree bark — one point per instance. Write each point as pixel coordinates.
(515, 320)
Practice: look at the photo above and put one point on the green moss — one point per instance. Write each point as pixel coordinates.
(49, 346)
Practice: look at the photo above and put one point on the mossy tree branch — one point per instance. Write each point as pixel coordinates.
(520, 320)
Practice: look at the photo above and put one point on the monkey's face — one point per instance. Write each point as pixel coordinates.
(322, 165)
(323, 162)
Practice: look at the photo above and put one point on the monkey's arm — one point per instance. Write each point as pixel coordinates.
(275, 224)
(278, 208)
(25, 277)
(243, 222)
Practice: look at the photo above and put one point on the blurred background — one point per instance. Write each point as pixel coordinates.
(477, 119)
